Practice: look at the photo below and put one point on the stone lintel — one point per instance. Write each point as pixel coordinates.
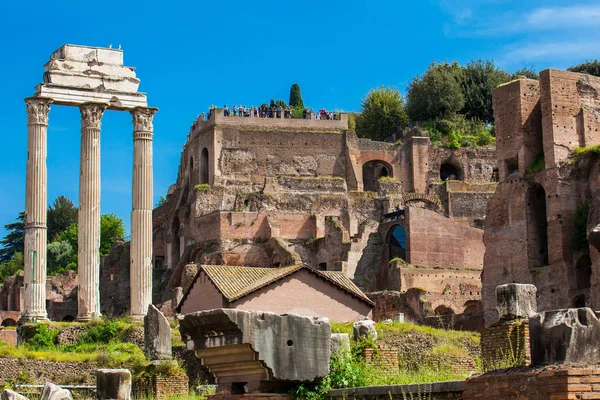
(76, 96)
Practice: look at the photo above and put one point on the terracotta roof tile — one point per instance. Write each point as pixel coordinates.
(236, 282)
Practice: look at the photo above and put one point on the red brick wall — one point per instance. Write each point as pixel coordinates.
(562, 384)
(9, 336)
(505, 343)
(438, 241)
(383, 357)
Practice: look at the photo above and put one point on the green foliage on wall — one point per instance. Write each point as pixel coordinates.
(580, 219)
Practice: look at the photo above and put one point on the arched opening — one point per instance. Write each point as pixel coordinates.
(537, 227)
(579, 301)
(68, 318)
(450, 172)
(372, 171)
(204, 166)
(473, 306)
(583, 272)
(175, 243)
(443, 310)
(397, 243)
(9, 322)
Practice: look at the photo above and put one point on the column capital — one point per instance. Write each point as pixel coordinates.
(91, 114)
(37, 110)
(142, 119)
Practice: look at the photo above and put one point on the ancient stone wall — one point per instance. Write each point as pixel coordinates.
(431, 391)
(40, 371)
(384, 358)
(505, 344)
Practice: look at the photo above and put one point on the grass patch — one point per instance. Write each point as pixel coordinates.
(203, 187)
(588, 149)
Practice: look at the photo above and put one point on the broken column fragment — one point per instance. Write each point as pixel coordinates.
(263, 351)
(365, 329)
(157, 335)
(8, 394)
(567, 335)
(113, 384)
(516, 301)
(55, 392)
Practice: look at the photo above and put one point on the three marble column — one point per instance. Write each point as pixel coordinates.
(89, 212)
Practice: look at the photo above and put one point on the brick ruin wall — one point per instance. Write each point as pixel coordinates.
(39, 372)
(551, 117)
(505, 343)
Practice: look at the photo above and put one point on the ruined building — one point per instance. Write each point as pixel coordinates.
(272, 192)
(535, 228)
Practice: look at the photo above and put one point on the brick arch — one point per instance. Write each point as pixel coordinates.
(383, 156)
(430, 199)
(443, 304)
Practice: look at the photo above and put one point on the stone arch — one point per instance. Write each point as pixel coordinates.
(451, 170)
(430, 199)
(583, 272)
(204, 174)
(473, 306)
(9, 322)
(372, 171)
(537, 226)
(397, 242)
(175, 242)
(443, 310)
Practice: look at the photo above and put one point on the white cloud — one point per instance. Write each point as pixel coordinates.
(562, 17)
(555, 51)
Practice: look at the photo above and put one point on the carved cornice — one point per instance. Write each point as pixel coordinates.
(142, 119)
(37, 110)
(91, 114)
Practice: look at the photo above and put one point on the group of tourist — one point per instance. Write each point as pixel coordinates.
(264, 111)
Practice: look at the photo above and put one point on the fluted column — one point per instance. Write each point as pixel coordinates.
(141, 216)
(36, 203)
(88, 269)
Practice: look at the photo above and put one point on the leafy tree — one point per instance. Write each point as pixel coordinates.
(12, 267)
(61, 258)
(296, 97)
(383, 114)
(61, 214)
(588, 67)
(281, 103)
(479, 78)
(527, 72)
(14, 241)
(111, 229)
(437, 94)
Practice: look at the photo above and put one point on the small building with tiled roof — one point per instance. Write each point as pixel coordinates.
(296, 289)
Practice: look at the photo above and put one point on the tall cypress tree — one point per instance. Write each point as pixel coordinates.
(296, 97)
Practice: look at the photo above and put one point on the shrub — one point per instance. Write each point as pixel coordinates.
(44, 338)
(446, 127)
(454, 140)
(538, 164)
(580, 218)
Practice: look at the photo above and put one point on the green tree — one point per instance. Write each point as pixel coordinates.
(111, 229)
(296, 97)
(12, 267)
(527, 72)
(61, 258)
(437, 94)
(479, 78)
(588, 67)
(61, 214)
(14, 241)
(383, 114)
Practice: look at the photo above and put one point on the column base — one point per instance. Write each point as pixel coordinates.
(87, 318)
(137, 318)
(32, 319)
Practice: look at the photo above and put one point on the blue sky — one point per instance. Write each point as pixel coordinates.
(190, 54)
